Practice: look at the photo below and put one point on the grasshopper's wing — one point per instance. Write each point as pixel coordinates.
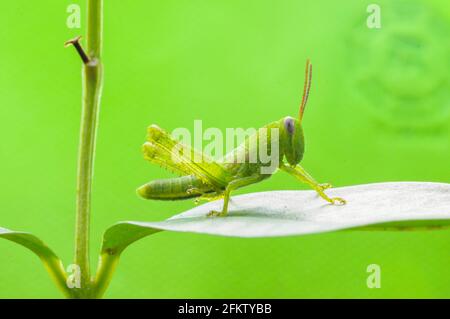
(162, 149)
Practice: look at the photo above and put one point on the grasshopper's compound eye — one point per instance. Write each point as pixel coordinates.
(289, 125)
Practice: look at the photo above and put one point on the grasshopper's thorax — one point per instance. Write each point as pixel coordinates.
(246, 159)
(292, 143)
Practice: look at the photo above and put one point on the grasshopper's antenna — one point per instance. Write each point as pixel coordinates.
(306, 88)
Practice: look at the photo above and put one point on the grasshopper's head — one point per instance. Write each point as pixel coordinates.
(291, 128)
(292, 140)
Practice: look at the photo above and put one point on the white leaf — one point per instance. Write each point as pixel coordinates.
(381, 206)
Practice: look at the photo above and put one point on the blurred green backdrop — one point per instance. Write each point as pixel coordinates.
(379, 111)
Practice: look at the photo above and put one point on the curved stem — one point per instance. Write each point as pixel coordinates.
(58, 274)
(92, 86)
(106, 267)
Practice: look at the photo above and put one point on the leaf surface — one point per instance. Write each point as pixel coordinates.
(381, 206)
(396, 205)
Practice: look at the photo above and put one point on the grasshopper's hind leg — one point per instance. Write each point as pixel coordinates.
(300, 173)
(233, 185)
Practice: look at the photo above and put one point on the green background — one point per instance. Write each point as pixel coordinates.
(379, 110)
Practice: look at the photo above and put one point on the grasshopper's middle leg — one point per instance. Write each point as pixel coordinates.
(241, 182)
(300, 173)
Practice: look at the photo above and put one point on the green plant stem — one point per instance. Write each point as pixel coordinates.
(58, 274)
(106, 267)
(92, 87)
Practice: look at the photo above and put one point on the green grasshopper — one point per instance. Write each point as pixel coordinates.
(209, 179)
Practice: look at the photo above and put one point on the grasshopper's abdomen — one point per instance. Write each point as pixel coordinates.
(174, 188)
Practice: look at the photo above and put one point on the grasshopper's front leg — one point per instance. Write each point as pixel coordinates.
(300, 173)
(235, 184)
